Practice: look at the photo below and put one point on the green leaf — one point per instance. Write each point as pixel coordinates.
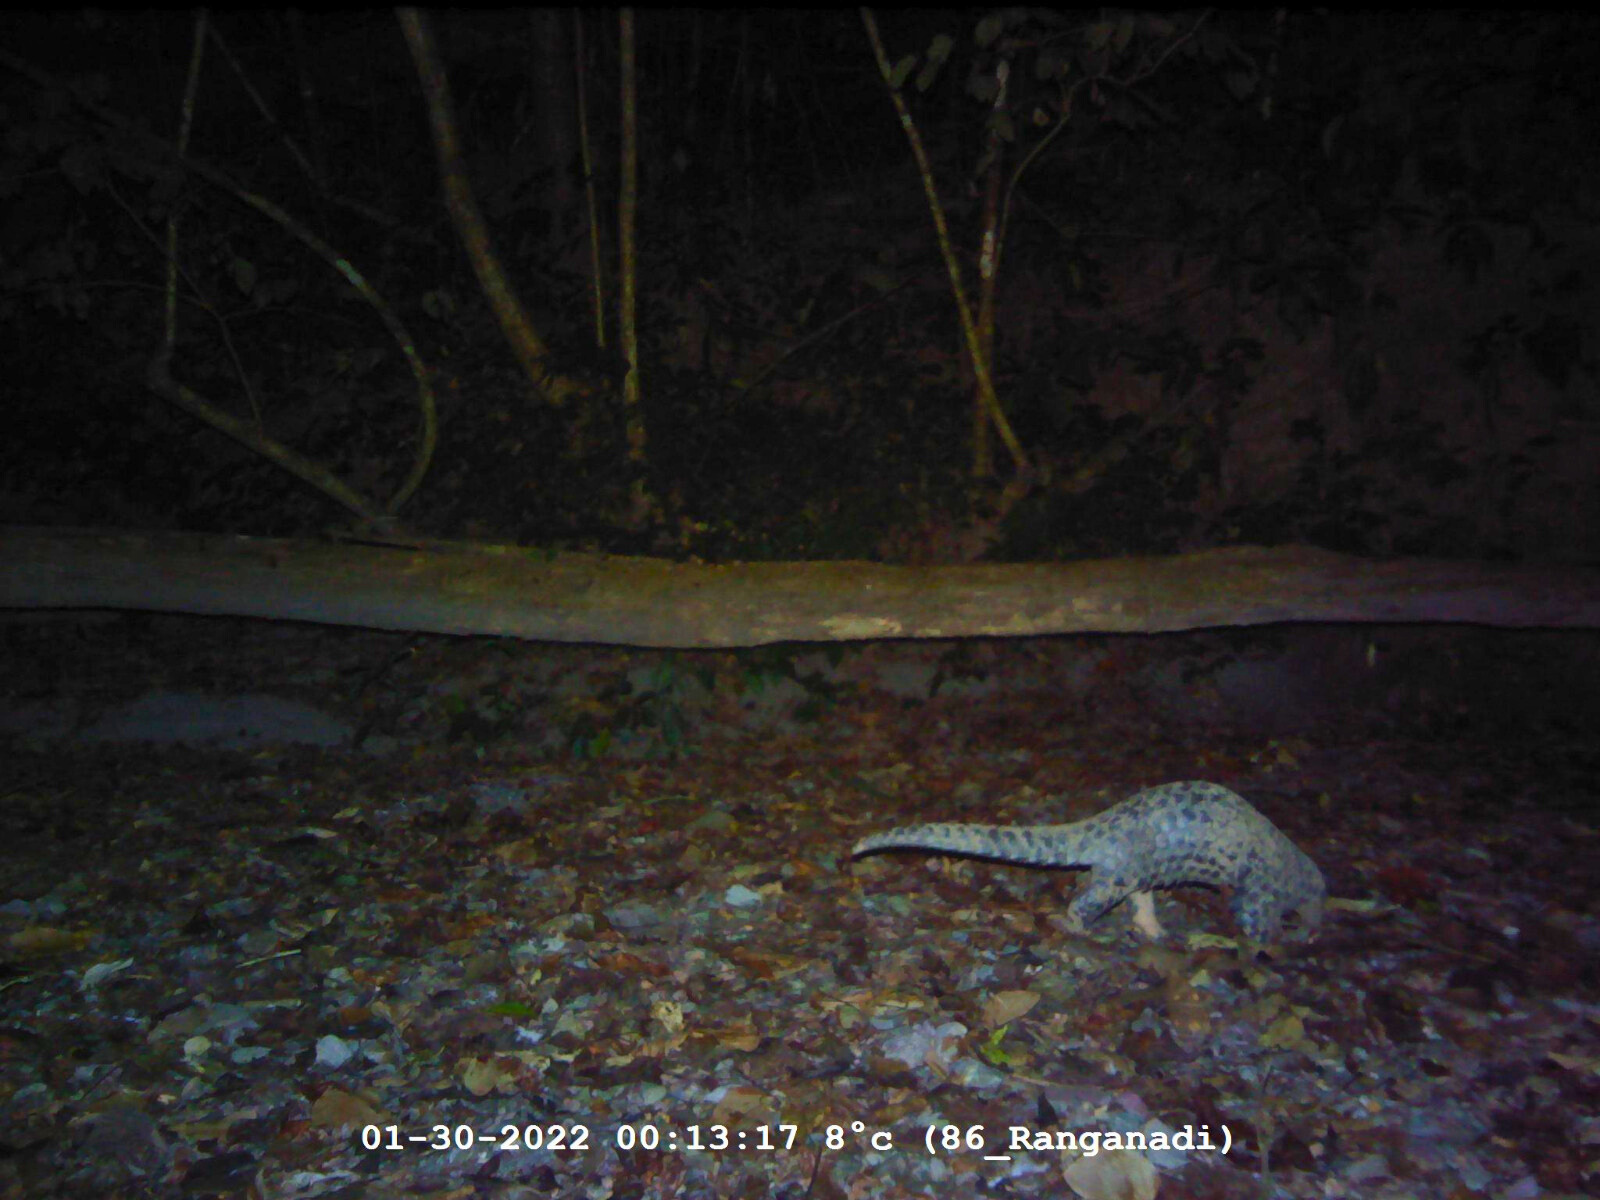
(938, 55)
(244, 275)
(993, 1051)
(439, 304)
(1241, 83)
(1125, 28)
(1052, 63)
(512, 1008)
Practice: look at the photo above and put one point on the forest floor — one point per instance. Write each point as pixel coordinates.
(288, 911)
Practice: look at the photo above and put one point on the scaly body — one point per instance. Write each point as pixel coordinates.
(1177, 833)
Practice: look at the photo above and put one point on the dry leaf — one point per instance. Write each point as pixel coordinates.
(36, 941)
(339, 1109)
(1002, 1008)
(1113, 1175)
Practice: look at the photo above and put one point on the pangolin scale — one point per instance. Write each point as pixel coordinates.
(1177, 833)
